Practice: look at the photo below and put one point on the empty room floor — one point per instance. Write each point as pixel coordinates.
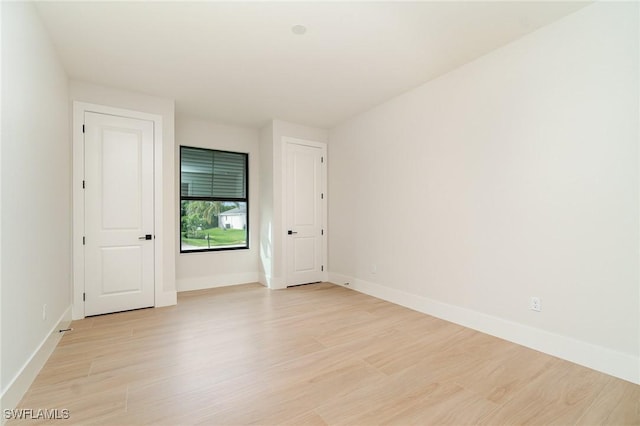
(317, 354)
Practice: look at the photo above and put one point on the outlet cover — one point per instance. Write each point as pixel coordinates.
(535, 304)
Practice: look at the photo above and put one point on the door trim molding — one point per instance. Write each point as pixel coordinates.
(79, 109)
(323, 181)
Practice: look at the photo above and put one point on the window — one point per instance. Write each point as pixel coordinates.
(213, 200)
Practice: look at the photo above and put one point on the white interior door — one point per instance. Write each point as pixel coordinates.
(304, 216)
(119, 217)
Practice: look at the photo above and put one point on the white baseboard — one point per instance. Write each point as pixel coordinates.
(271, 282)
(166, 298)
(201, 283)
(614, 363)
(264, 279)
(27, 374)
(277, 283)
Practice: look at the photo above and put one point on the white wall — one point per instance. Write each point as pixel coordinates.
(36, 197)
(214, 269)
(513, 176)
(272, 218)
(266, 206)
(2, 405)
(91, 93)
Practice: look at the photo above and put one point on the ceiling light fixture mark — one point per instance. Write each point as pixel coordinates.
(298, 29)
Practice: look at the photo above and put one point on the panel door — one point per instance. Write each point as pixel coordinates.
(304, 201)
(119, 216)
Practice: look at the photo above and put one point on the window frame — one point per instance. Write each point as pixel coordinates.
(245, 200)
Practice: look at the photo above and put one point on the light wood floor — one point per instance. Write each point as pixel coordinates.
(311, 355)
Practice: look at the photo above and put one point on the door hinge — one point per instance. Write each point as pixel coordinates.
(322, 268)
(322, 159)
(322, 232)
(82, 184)
(322, 195)
(83, 128)
(84, 297)
(83, 240)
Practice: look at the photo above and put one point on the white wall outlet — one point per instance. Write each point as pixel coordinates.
(535, 304)
(44, 312)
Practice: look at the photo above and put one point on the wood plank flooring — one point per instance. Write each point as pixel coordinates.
(311, 355)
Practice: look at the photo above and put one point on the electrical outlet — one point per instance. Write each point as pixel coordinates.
(535, 304)
(44, 312)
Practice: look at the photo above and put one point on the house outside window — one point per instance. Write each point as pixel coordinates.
(214, 201)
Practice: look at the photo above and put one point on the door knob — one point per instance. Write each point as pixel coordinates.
(145, 237)
(290, 232)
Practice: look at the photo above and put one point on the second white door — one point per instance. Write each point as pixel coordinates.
(304, 213)
(119, 216)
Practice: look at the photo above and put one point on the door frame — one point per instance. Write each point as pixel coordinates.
(286, 140)
(78, 283)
